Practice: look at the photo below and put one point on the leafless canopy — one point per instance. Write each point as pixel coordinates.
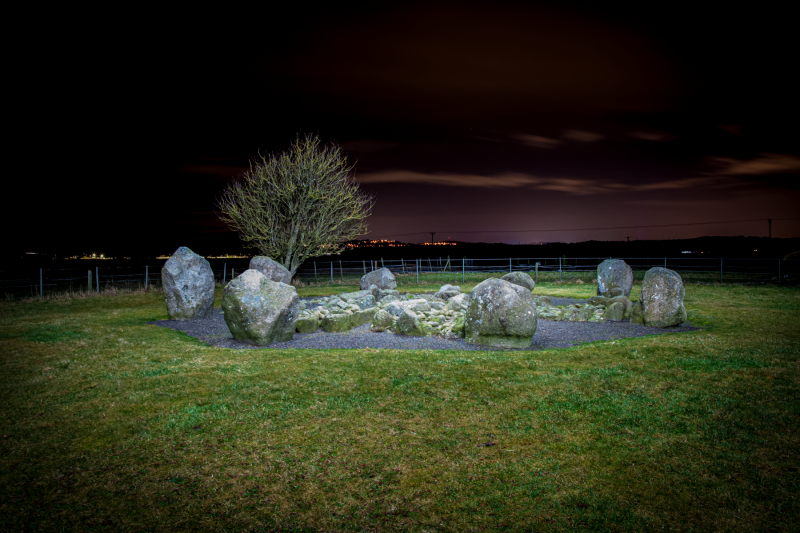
(299, 204)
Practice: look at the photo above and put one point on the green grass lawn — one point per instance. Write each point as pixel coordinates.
(111, 424)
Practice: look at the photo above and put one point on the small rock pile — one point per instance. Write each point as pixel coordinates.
(596, 309)
(387, 310)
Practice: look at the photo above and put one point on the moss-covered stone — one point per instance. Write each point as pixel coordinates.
(259, 310)
(550, 313)
(614, 312)
(337, 323)
(637, 314)
(363, 316)
(410, 323)
(308, 324)
(382, 320)
(499, 309)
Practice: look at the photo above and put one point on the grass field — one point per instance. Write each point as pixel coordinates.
(111, 424)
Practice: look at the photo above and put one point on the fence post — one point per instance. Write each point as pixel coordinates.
(315, 271)
(341, 274)
(146, 275)
(537, 272)
(559, 268)
(509, 265)
(97, 278)
(382, 265)
(224, 272)
(720, 270)
(331, 272)
(41, 288)
(363, 264)
(463, 269)
(417, 269)
(403, 263)
(90, 279)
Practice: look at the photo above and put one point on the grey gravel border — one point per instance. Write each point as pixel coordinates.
(549, 334)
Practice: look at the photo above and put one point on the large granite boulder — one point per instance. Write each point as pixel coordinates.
(520, 278)
(662, 298)
(381, 278)
(614, 278)
(448, 291)
(500, 314)
(188, 285)
(259, 310)
(274, 271)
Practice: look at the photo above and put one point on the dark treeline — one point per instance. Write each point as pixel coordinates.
(743, 247)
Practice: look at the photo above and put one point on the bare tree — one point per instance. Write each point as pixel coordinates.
(299, 204)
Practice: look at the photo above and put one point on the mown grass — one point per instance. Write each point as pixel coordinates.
(110, 423)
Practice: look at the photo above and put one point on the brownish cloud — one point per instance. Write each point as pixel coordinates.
(764, 164)
(582, 136)
(537, 141)
(652, 136)
(574, 186)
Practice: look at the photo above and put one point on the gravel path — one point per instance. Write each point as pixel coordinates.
(549, 334)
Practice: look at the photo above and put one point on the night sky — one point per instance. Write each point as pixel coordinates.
(476, 121)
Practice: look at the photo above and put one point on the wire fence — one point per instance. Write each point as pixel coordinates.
(723, 270)
(45, 281)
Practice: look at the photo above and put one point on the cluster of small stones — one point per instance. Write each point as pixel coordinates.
(387, 310)
(596, 309)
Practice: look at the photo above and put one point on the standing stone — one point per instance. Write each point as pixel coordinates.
(520, 278)
(614, 278)
(259, 310)
(500, 314)
(381, 278)
(188, 285)
(662, 298)
(274, 271)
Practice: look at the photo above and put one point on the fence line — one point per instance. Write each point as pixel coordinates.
(735, 270)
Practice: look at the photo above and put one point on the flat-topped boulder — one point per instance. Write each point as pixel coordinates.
(614, 278)
(381, 278)
(188, 285)
(500, 314)
(662, 298)
(258, 310)
(520, 278)
(271, 269)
